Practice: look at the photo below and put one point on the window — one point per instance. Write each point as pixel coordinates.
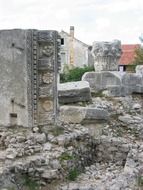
(62, 41)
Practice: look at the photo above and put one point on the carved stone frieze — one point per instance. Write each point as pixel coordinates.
(46, 91)
(46, 50)
(46, 78)
(46, 36)
(44, 63)
(45, 105)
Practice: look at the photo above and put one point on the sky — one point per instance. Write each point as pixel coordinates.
(94, 20)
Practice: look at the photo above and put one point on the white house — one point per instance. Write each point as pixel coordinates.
(73, 51)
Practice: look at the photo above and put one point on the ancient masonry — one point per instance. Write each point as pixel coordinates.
(29, 64)
(106, 55)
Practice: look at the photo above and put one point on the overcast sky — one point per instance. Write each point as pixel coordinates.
(94, 20)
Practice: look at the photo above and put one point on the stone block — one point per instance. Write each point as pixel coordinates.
(139, 70)
(29, 68)
(71, 92)
(131, 79)
(72, 114)
(116, 83)
(14, 79)
(93, 114)
(76, 114)
(102, 80)
(138, 89)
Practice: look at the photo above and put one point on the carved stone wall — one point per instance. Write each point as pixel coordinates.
(48, 66)
(29, 64)
(45, 65)
(14, 80)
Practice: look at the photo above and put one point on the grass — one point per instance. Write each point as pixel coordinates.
(73, 174)
(66, 156)
(30, 184)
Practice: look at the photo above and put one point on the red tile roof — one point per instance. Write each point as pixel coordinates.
(128, 54)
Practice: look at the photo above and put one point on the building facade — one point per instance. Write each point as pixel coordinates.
(73, 51)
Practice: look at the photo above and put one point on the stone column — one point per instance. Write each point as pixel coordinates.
(106, 55)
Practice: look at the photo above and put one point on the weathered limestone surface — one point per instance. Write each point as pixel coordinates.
(71, 92)
(72, 114)
(14, 78)
(47, 155)
(106, 55)
(29, 63)
(139, 70)
(77, 114)
(133, 83)
(118, 150)
(116, 83)
(102, 80)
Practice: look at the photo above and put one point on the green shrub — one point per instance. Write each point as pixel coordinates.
(74, 74)
(131, 68)
(73, 174)
(140, 181)
(30, 183)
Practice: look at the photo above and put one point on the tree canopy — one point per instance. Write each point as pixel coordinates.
(139, 56)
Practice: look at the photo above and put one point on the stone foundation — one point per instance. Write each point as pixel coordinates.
(51, 156)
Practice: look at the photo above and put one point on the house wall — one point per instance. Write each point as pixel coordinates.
(65, 51)
(81, 54)
(13, 78)
(90, 59)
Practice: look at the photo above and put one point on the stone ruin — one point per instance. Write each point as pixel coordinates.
(102, 141)
(106, 55)
(107, 78)
(29, 64)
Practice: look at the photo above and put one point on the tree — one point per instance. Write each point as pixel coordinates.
(139, 56)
